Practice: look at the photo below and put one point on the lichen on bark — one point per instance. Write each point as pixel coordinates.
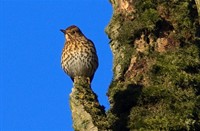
(87, 113)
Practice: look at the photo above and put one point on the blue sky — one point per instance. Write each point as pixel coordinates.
(34, 89)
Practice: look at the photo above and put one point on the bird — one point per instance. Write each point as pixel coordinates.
(79, 56)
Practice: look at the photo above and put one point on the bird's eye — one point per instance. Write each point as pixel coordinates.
(73, 32)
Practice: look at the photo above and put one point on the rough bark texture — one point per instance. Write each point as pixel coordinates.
(156, 82)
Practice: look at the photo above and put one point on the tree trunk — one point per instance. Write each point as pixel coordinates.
(198, 7)
(156, 82)
(156, 66)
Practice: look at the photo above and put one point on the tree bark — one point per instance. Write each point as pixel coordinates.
(156, 67)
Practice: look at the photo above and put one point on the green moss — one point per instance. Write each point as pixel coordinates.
(121, 94)
(169, 100)
(131, 30)
(84, 96)
(127, 50)
(150, 17)
(165, 109)
(183, 16)
(181, 68)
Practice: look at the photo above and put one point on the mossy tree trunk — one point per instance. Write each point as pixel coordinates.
(156, 51)
(87, 113)
(156, 82)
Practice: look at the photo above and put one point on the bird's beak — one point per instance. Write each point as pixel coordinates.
(62, 31)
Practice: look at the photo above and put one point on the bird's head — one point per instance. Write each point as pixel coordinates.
(72, 32)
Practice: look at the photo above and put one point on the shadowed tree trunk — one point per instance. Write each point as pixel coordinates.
(156, 82)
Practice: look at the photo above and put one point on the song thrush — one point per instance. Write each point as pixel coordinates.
(79, 58)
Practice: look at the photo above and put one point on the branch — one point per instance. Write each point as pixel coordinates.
(87, 113)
